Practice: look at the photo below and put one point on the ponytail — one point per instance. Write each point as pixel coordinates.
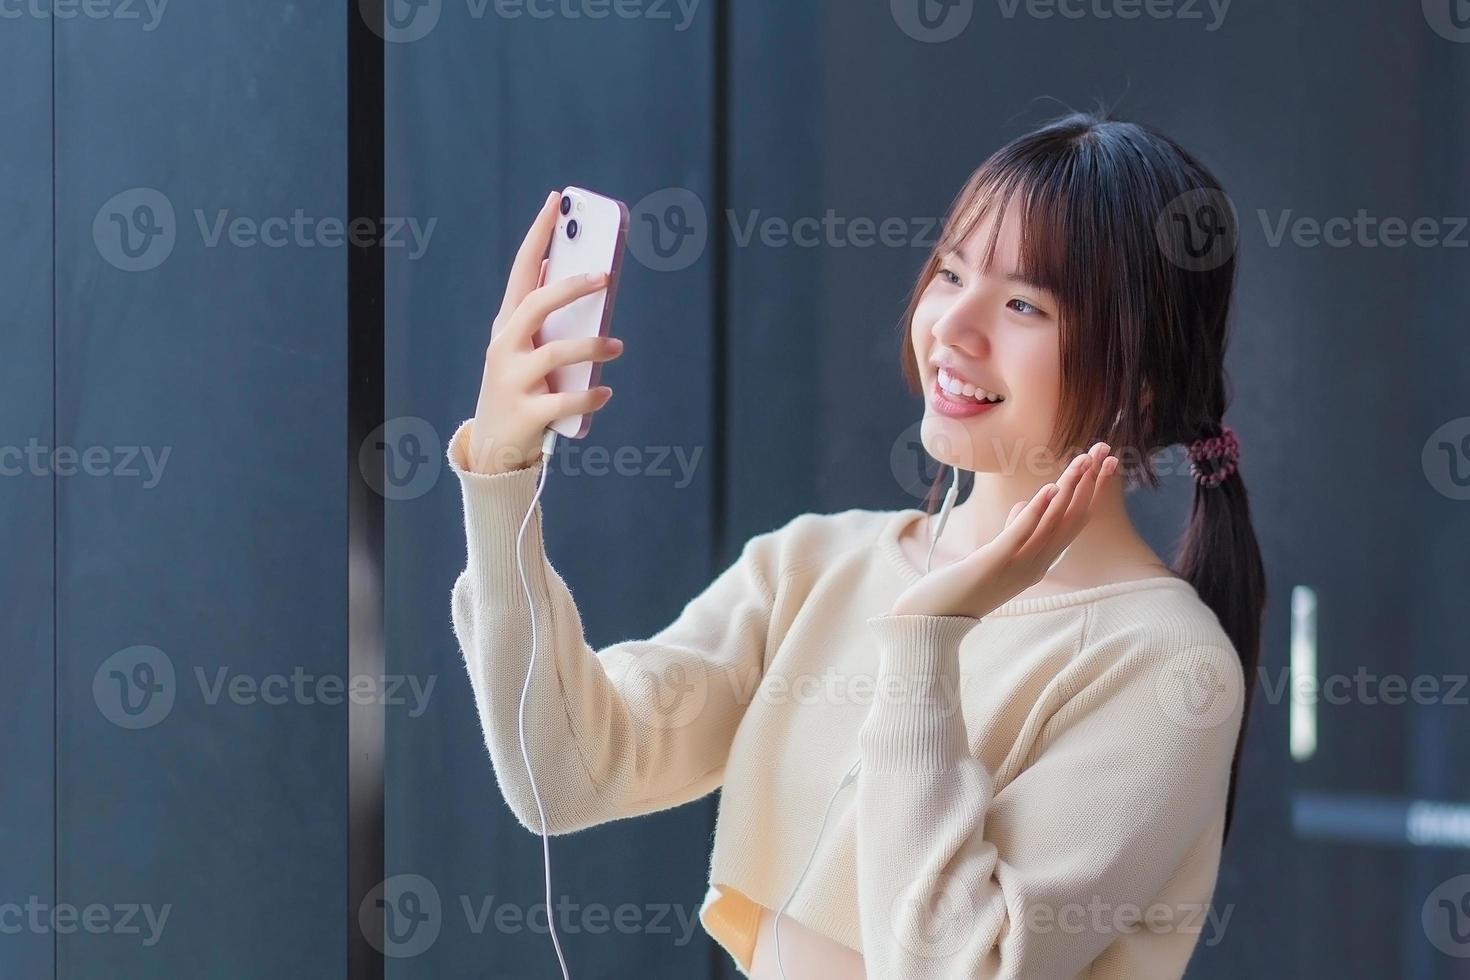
(1220, 557)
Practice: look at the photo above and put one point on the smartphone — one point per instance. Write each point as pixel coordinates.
(590, 236)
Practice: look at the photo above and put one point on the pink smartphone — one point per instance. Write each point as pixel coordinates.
(590, 236)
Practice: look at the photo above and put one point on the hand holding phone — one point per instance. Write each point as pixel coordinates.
(519, 398)
(591, 232)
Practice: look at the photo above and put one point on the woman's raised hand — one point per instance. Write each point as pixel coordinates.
(1035, 533)
(516, 403)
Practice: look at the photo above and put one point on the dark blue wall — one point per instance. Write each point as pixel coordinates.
(222, 364)
(27, 637)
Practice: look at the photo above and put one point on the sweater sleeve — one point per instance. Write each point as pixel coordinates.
(1121, 805)
(636, 727)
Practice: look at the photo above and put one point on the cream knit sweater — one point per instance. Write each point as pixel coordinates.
(1042, 792)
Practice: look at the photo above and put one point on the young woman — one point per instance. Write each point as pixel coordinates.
(1020, 763)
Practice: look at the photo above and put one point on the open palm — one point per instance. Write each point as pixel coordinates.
(1035, 534)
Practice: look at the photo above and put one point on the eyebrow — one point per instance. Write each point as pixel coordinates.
(1014, 276)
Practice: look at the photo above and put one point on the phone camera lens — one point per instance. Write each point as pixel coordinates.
(572, 228)
(566, 204)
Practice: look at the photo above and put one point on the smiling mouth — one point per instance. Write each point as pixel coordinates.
(963, 392)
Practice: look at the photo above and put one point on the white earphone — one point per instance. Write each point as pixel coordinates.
(548, 443)
(949, 499)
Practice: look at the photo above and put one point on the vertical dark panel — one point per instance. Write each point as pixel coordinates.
(485, 115)
(27, 635)
(197, 777)
(366, 470)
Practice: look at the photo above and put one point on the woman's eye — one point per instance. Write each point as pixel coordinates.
(1021, 302)
(952, 278)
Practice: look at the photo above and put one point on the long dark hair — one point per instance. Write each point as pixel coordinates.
(1136, 239)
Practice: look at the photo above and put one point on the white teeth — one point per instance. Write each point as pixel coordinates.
(961, 389)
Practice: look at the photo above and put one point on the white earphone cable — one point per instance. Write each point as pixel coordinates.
(776, 926)
(949, 499)
(547, 444)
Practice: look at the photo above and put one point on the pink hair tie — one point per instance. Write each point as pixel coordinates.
(1222, 451)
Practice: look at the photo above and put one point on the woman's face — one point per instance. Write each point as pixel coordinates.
(995, 332)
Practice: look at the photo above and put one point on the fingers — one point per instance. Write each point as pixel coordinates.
(1023, 526)
(531, 314)
(1071, 507)
(1072, 477)
(526, 270)
(1081, 503)
(571, 350)
(564, 404)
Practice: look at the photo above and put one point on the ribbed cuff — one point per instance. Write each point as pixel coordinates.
(494, 507)
(917, 721)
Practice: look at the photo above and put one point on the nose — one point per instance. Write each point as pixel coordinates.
(964, 327)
